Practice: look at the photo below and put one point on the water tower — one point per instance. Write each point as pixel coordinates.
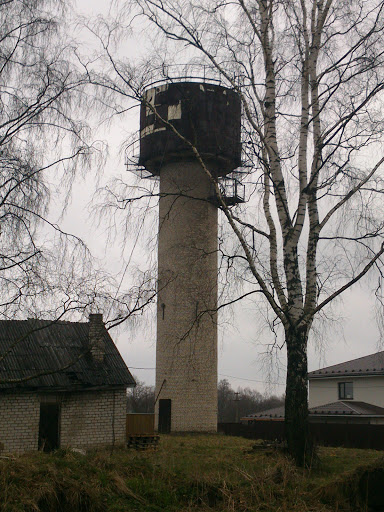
(208, 115)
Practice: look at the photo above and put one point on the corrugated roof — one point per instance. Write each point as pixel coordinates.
(368, 365)
(275, 413)
(339, 408)
(348, 407)
(41, 354)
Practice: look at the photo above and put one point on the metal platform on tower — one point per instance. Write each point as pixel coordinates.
(232, 191)
(231, 187)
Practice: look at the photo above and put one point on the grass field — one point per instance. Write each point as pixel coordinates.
(186, 473)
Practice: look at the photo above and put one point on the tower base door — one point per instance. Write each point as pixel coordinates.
(165, 411)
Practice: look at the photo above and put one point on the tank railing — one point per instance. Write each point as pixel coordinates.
(196, 79)
(132, 151)
(185, 72)
(132, 156)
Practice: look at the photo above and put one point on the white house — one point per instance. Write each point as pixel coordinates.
(359, 380)
(350, 392)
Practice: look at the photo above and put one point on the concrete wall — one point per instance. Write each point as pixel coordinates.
(87, 419)
(365, 389)
(186, 351)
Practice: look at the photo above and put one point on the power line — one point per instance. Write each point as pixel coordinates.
(255, 380)
(258, 380)
(221, 375)
(250, 380)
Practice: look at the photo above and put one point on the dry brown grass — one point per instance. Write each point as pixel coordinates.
(187, 473)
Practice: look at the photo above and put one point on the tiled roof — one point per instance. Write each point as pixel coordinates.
(340, 408)
(368, 365)
(38, 354)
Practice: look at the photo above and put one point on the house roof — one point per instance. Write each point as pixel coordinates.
(363, 366)
(347, 407)
(39, 354)
(340, 408)
(275, 413)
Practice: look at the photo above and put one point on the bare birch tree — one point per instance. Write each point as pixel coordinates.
(310, 76)
(40, 140)
(46, 272)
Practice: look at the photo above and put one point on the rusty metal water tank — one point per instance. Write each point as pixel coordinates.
(207, 115)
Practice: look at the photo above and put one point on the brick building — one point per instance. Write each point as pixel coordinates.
(61, 384)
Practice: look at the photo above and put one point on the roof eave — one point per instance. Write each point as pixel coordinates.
(320, 415)
(65, 389)
(346, 374)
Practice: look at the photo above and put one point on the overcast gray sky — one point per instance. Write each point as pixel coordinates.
(241, 344)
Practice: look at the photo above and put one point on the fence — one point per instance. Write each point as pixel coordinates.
(140, 424)
(326, 434)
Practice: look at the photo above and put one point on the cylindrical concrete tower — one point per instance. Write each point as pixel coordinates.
(186, 351)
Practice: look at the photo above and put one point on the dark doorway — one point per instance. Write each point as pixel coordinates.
(49, 427)
(165, 408)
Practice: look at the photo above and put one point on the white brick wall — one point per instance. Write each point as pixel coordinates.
(87, 419)
(186, 350)
(19, 422)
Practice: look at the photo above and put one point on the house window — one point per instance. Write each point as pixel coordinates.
(345, 390)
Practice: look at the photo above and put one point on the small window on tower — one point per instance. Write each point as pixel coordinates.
(345, 390)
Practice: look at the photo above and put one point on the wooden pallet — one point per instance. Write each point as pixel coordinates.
(142, 441)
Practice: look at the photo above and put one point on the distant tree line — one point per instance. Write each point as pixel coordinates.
(141, 398)
(232, 405)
